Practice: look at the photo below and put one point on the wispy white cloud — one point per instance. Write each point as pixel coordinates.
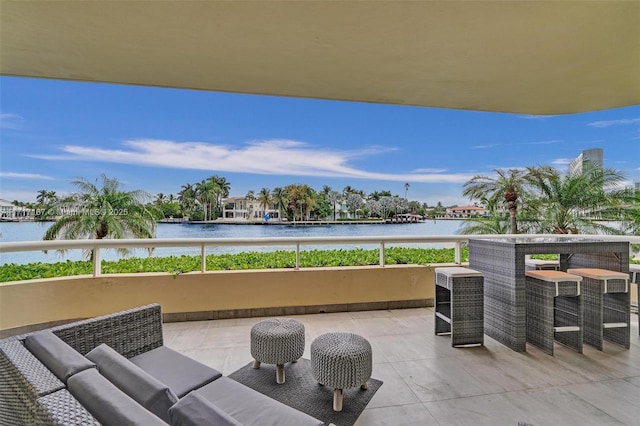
(536, 117)
(11, 121)
(429, 170)
(268, 157)
(609, 123)
(562, 161)
(549, 142)
(13, 175)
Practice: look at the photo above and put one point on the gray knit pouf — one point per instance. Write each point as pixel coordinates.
(341, 360)
(277, 341)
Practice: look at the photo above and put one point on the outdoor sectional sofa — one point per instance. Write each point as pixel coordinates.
(114, 369)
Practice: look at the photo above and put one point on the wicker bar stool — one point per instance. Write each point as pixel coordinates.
(634, 274)
(341, 360)
(554, 309)
(459, 305)
(607, 307)
(277, 341)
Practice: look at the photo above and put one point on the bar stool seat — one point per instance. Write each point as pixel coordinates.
(554, 309)
(607, 306)
(459, 305)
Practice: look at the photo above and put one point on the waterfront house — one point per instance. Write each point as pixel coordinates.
(465, 212)
(241, 208)
(13, 213)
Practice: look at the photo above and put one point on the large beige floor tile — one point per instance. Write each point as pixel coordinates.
(394, 390)
(404, 415)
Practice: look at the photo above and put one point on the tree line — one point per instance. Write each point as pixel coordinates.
(203, 201)
(531, 200)
(542, 200)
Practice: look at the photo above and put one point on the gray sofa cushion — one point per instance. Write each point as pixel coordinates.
(145, 389)
(108, 404)
(250, 407)
(56, 355)
(181, 373)
(195, 410)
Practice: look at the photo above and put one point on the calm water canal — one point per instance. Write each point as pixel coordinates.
(32, 231)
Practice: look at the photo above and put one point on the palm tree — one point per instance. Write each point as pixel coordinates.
(279, 197)
(187, 198)
(592, 201)
(160, 199)
(301, 198)
(203, 193)
(496, 223)
(222, 188)
(507, 185)
(103, 212)
(264, 198)
(41, 198)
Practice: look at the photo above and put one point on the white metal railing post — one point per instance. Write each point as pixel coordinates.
(382, 254)
(297, 256)
(458, 253)
(97, 263)
(203, 260)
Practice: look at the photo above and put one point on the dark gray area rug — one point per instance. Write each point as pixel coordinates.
(303, 393)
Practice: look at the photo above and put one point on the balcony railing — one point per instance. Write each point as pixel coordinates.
(203, 243)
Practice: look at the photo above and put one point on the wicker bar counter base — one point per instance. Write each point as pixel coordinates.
(554, 310)
(607, 306)
(459, 305)
(341, 360)
(277, 341)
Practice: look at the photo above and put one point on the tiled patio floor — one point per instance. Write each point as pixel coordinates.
(427, 382)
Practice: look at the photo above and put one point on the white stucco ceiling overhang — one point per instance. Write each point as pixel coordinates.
(532, 57)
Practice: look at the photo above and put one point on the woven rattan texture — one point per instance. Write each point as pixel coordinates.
(341, 360)
(130, 332)
(61, 408)
(600, 308)
(461, 299)
(277, 340)
(546, 311)
(502, 263)
(23, 379)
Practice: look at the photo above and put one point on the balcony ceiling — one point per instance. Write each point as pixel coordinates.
(547, 57)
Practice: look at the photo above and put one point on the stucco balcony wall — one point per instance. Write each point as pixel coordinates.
(34, 304)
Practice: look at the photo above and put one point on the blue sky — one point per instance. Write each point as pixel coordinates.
(158, 139)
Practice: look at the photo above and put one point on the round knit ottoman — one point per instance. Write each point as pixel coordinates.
(277, 341)
(341, 360)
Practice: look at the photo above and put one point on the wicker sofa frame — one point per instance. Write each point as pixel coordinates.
(31, 395)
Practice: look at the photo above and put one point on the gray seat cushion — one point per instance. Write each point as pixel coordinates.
(181, 373)
(145, 389)
(250, 407)
(195, 410)
(56, 355)
(108, 404)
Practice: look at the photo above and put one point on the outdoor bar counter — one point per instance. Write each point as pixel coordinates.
(502, 263)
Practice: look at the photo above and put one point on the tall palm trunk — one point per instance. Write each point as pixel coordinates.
(511, 197)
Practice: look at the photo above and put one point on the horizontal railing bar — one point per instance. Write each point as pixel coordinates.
(283, 241)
